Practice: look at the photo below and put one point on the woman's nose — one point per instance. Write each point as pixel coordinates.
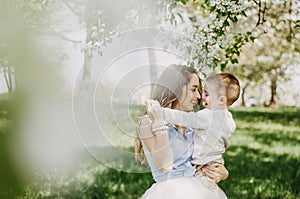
(197, 94)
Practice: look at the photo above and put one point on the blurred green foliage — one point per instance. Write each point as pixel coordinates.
(10, 180)
(6, 106)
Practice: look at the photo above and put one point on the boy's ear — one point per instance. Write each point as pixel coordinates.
(222, 100)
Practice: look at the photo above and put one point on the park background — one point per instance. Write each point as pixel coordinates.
(74, 75)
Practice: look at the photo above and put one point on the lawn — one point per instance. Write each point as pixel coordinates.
(263, 161)
(264, 156)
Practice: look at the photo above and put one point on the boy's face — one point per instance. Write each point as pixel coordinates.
(211, 98)
(206, 97)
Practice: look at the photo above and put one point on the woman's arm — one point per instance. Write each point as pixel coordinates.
(158, 144)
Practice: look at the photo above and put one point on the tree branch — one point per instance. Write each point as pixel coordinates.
(61, 36)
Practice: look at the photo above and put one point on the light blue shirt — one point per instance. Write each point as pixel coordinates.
(182, 153)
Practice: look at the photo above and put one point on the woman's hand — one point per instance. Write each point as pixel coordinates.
(216, 171)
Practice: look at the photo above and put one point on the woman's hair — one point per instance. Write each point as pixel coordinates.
(166, 91)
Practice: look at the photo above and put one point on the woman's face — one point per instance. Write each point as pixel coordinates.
(190, 95)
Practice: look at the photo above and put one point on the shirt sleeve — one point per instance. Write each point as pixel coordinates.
(231, 130)
(188, 119)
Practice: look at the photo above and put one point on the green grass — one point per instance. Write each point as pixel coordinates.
(264, 156)
(263, 161)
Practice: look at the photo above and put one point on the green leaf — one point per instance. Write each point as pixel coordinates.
(220, 32)
(205, 46)
(213, 8)
(226, 23)
(235, 61)
(180, 16)
(225, 13)
(244, 13)
(233, 19)
(183, 1)
(297, 24)
(229, 50)
(192, 64)
(289, 38)
(238, 39)
(223, 65)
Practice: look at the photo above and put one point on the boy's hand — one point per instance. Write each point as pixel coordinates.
(215, 171)
(154, 110)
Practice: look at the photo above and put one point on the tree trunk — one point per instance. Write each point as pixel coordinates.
(243, 94)
(274, 98)
(86, 73)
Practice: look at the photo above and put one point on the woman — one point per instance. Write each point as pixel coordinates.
(168, 150)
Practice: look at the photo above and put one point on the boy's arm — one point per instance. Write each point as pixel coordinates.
(199, 119)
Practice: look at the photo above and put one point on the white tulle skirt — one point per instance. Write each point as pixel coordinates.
(181, 188)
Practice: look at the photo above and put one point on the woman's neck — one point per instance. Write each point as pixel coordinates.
(179, 128)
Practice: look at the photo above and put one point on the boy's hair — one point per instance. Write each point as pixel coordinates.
(231, 85)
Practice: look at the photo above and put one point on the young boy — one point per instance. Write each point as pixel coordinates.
(214, 125)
